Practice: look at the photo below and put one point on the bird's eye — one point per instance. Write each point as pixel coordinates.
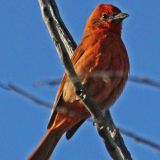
(105, 16)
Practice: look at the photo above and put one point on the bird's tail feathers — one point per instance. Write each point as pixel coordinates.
(47, 145)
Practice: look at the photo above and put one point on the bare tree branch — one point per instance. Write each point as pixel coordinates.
(14, 88)
(118, 150)
(49, 82)
(63, 32)
(140, 139)
(20, 91)
(136, 79)
(145, 80)
(4, 86)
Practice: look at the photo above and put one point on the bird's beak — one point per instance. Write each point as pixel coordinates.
(120, 17)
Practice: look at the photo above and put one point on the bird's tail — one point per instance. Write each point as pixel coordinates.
(47, 145)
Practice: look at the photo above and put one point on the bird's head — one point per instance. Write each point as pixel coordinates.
(106, 17)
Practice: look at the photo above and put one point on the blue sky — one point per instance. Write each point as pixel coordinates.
(27, 54)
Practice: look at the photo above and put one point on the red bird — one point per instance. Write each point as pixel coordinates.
(100, 51)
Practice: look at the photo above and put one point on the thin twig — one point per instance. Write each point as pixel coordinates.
(100, 120)
(145, 80)
(141, 139)
(49, 82)
(4, 86)
(22, 92)
(136, 79)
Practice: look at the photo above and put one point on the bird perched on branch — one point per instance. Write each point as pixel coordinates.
(102, 63)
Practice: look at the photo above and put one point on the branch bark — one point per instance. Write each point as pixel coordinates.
(65, 45)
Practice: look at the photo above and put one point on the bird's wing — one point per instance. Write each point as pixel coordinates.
(72, 131)
(59, 96)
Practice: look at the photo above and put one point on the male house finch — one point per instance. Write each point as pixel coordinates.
(101, 50)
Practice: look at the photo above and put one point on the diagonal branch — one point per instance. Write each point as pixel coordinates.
(110, 135)
(141, 139)
(63, 32)
(22, 92)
